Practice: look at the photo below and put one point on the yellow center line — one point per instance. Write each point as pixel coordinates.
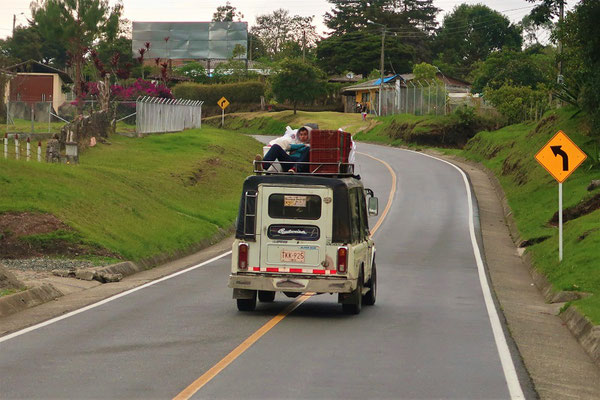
(390, 197)
(238, 351)
(189, 391)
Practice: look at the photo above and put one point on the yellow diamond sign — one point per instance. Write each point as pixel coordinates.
(560, 156)
(223, 103)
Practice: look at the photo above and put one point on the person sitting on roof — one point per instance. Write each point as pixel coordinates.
(299, 153)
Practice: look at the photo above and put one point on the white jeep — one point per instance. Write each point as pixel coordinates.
(304, 234)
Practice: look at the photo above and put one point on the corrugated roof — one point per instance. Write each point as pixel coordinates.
(38, 67)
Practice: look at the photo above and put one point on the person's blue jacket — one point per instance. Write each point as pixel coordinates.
(299, 152)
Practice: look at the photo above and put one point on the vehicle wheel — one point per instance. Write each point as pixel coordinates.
(356, 305)
(369, 298)
(266, 296)
(292, 295)
(247, 304)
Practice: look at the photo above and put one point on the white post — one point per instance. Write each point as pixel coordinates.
(28, 149)
(17, 147)
(6, 145)
(39, 152)
(560, 223)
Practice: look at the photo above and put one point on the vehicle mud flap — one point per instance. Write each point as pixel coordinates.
(352, 302)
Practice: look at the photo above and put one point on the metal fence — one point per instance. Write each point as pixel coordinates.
(167, 115)
(411, 98)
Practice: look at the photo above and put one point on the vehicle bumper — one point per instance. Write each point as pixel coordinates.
(291, 283)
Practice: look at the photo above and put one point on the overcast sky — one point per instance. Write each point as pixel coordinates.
(194, 10)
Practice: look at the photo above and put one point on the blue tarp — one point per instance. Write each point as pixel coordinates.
(385, 80)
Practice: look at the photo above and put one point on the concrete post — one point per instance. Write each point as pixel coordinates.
(28, 149)
(17, 147)
(6, 145)
(39, 152)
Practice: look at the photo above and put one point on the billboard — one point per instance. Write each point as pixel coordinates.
(196, 40)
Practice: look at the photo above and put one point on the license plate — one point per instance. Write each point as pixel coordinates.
(296, 256)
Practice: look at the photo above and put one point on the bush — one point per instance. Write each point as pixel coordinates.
(518, 103)
(243, 92)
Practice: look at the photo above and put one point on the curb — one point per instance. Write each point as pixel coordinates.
(586, 333)
(28, 298)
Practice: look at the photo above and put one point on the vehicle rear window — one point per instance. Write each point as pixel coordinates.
(295, 206)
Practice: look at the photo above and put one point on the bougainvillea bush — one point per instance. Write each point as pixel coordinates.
(140, 88)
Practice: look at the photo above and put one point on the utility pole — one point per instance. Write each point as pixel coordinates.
(559, 78)
(303, 45)
(381, 68)
(14, 23)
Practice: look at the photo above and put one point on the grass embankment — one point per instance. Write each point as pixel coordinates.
(137, 197)
(274, 123)
(23, 126)
(533, 198)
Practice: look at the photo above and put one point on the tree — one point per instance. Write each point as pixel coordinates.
(515, 68)
(227, 13)
(546, 11)
(275, 29)
(78, 24)
(408, 15)
(425, 72)
(297, 82)
(360, 52)
(470, 34)
(581, 60)
(194, 71)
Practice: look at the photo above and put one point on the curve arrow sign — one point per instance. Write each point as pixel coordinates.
(558, 151)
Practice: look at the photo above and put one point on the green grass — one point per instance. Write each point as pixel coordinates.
(6, 292)
(532, 194)
(274, 123)
(24, 126)
(138, 197)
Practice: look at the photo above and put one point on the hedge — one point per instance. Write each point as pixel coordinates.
(242, 92)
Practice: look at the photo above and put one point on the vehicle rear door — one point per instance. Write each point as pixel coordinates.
(295, 228)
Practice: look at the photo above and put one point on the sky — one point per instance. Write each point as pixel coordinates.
(194, 10)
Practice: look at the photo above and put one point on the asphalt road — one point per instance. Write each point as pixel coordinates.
(428, 336)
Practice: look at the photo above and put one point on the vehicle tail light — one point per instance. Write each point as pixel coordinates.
(342, 259)
(243, 256)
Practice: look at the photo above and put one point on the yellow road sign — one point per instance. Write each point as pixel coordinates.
(560, 156)
(223, 103)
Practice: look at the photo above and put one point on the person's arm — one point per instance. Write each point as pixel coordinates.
(295, 147)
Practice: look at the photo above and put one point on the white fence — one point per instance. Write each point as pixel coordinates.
(167, 115)
(417, 99)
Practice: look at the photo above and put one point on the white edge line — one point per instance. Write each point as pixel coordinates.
(510, 373)
(107, 300)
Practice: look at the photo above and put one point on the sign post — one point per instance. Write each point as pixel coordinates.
(223, 103)
(560, 156)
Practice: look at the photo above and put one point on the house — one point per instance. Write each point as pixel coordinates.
(35, 82)
(396, 88)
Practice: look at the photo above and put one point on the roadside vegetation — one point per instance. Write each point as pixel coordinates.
(532, 194)
(23, 126)
(274, 123)
(134, 198)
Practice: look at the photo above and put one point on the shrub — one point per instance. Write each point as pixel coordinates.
(243, 92)
(518, 103)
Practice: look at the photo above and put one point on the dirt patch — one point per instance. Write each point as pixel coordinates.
(512, 166)
(583, 208)
(201, 172)
(545, 125)
(25, 234)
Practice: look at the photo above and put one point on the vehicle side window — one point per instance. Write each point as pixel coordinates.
(364, 221)
(355, 215)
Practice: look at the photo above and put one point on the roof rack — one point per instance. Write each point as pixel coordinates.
(329, 169)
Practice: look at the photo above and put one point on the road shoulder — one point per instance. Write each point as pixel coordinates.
(557, 364)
